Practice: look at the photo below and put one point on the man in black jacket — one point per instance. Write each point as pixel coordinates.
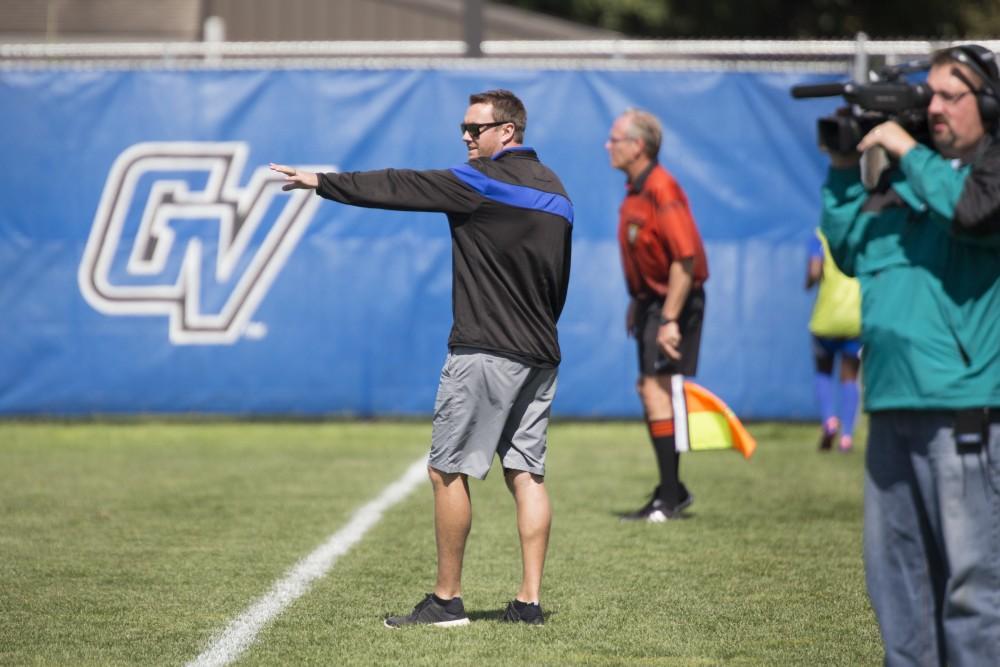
(511, 225)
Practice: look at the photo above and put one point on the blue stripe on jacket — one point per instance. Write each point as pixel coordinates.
(514, 195)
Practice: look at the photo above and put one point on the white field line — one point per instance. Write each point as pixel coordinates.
(242, 631)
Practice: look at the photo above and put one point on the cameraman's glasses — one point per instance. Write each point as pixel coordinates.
(950, 99)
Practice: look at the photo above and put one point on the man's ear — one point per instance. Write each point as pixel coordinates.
(640, 147)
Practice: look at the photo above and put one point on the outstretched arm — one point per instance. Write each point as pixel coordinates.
(295, 179)
(392, 189)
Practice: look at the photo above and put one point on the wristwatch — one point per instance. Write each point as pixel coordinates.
(666, 320)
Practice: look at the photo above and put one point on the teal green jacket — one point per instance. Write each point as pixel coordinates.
(930, 291)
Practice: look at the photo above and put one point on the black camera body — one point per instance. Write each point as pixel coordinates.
(869, 105)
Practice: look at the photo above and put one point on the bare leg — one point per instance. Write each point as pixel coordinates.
(848, 400)
(849, 368)
(654, 390)
(534, 518)
(452, 522)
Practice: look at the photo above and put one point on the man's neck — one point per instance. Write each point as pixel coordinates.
(970, 156)
(636, 169)
(506, 147)
(967, 156)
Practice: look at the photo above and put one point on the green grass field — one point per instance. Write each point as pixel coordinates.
(135, 543)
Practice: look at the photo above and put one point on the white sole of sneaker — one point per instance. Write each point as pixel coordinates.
(442, 624)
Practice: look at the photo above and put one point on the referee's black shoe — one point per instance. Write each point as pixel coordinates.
(656, 511)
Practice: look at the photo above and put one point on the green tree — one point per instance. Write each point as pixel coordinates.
(887, 19)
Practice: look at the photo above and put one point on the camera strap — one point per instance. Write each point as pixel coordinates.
(874, 162)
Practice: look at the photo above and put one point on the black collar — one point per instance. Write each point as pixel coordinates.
(517, 151)
(640, 180)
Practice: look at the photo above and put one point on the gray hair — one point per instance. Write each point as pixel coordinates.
(645, 127)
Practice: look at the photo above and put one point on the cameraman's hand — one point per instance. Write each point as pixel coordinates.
(890, 136)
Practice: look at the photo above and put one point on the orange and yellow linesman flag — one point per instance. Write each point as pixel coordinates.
(710, 424)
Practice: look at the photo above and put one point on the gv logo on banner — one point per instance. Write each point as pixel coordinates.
(176, 235)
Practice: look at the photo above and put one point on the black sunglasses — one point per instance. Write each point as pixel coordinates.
(475, 129)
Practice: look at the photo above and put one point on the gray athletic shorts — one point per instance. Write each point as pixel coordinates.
(486, 405)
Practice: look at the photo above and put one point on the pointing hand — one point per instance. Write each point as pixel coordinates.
(295, 179)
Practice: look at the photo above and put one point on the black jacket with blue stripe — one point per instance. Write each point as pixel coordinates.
(511, 227)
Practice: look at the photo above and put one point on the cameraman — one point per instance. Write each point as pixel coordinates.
(925, 246)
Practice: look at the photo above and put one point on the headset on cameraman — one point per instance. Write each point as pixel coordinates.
(983, 63)
(974, 214)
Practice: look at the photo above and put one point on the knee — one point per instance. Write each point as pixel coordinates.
(642, 389)
(650, 391)
(518, 479)
(849, 369)
(512, 478)
(440, 479)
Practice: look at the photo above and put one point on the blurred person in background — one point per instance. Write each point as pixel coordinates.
(665, 269)
(925, 245)
(511, 228)
(835, 326)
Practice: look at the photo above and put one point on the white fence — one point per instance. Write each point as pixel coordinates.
(848, 56)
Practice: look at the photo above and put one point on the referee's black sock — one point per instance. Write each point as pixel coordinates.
(667, 459)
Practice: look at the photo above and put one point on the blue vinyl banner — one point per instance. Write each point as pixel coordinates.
(150, 263)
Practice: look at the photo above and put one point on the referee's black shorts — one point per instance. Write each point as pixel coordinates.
(652, 361)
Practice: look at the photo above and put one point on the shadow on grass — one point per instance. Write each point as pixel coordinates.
(629, 517)
(497, 614)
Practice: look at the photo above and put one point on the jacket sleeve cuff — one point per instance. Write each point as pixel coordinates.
(914, 161)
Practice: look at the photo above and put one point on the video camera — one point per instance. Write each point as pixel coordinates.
(888, 97)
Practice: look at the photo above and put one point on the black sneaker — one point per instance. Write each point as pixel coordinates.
(656, 511)
(523, 612)
(430, 612)
(687, 499)
(641, 513)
